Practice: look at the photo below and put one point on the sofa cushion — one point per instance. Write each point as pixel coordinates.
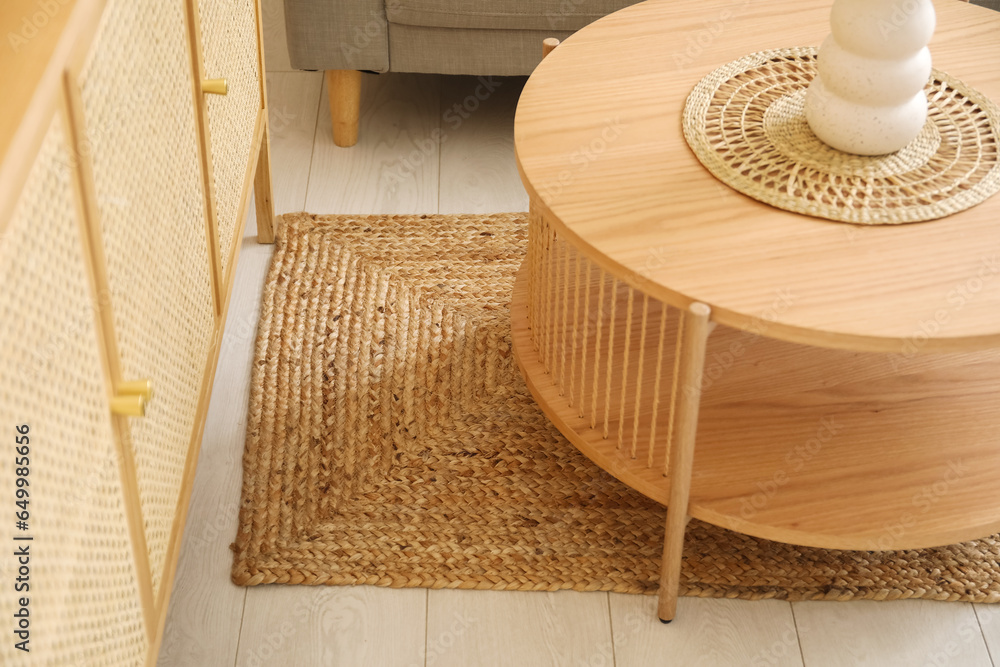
(501, 14)
(337, 35)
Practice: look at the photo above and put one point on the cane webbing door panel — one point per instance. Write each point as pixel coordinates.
(116, 264)
(84, 605)
(140, 125)
(229, 51)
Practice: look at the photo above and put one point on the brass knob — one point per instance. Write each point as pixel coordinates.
(142, 388)
(214, 86)
(129, 405)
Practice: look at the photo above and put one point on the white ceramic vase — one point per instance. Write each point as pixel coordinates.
(868, 98)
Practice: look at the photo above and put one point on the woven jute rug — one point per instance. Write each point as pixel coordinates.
(391, 441)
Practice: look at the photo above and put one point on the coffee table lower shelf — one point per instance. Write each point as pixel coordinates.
(811, 446)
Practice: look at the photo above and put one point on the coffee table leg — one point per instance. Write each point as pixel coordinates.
(697, 327)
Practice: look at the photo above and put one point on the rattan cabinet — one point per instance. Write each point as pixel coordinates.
(226, 27)
(123, 191)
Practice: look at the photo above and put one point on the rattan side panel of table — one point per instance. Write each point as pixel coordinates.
(83, 598)
(140, 123)
(605, 361)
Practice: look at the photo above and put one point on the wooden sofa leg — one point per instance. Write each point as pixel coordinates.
(344, 88)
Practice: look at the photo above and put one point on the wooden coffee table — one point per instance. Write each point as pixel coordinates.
(849, 396)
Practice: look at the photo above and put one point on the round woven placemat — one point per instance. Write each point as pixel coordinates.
(746, 123)
(392, 441)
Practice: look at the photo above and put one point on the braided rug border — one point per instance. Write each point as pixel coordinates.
(441, 493)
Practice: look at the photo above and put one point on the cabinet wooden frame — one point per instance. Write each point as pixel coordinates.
(204, 150)
(57, 91)
(173, 550)
(93, 253)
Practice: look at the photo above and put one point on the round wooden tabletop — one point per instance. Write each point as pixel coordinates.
(601, 152)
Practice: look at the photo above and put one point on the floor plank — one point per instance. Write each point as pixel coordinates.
(516, 628)
(478, 169)
(479, 175)
(301, 625)
(206, 610)
(988, 616)
(706, 632)
(901, 632)
(203, 621)
(293, 104)
(394, 166)
(333, 625)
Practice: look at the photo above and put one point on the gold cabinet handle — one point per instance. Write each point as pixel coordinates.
(131, 397)
(142, 388)
(128, 405)
(214, 86)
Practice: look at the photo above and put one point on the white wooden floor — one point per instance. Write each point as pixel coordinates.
(397, 168)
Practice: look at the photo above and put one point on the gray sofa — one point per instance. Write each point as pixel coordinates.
(495, 37)
(499, 38)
